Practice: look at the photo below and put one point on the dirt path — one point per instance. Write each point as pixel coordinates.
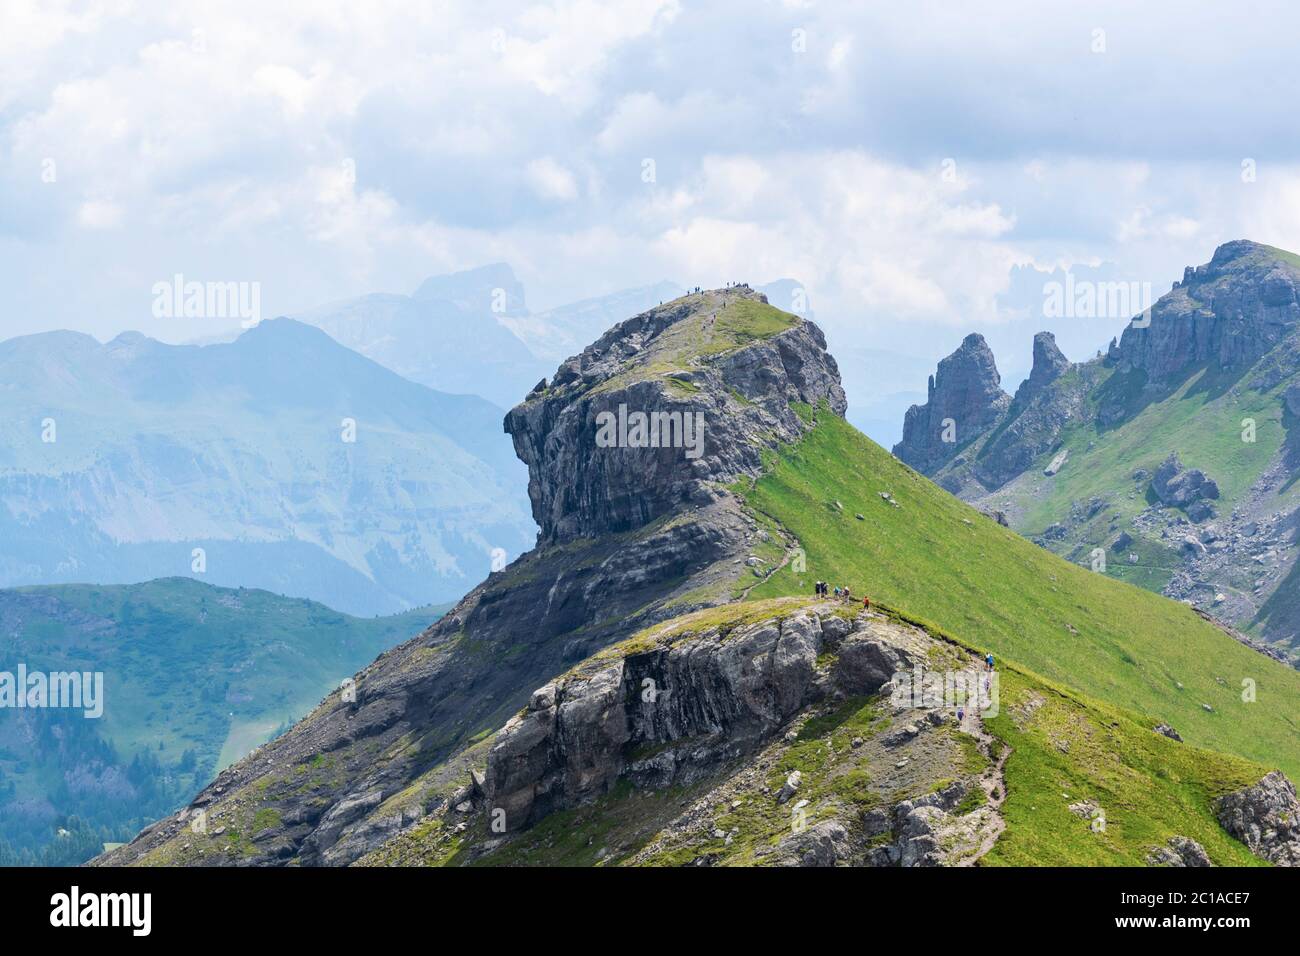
(790, 551)
(993, 780)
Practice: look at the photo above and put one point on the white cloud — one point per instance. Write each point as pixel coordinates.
(217, 140)
(551, 180)
(99, 214)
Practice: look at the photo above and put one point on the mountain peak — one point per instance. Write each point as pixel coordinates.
(1238, 250)
(1049, 364)
(487, 289)
(964, 396)
(1229, 311)
(692, 391)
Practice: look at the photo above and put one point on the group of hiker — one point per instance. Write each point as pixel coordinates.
(823, 589)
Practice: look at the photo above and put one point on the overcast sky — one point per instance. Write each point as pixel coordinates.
(897, 158)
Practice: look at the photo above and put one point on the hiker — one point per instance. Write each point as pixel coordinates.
(837, 592)
(961, 715)
(989, 661)
(848, 597)
(866, 603)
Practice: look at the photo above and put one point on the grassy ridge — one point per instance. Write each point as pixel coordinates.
(194, 677)
(940, 559)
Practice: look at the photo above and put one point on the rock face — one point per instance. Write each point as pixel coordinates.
(1179, 487)
(695, 705)
(1034, 420)
(1009, 434)
(1292, 399)
(1179, 851)
(631, 536)
(1228, 312)
(965, 397)
(580, 486)
(1265, 817)
(717, 713)
(1049, 365)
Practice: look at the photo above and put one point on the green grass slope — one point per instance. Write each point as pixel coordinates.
(1202, 421)
(1068, 750)
(944, 562)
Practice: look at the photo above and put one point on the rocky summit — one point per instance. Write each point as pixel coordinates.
(726, 360)
(1175, 450)
(964, 397)
(1231, 311)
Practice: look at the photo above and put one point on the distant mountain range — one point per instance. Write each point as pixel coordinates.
(450, 335)
(194, 677)
(281, 460)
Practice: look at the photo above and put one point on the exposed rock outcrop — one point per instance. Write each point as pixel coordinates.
(1229, 312)
(1049, 365)
(708, 417)
(1011, 435)
(1166, 731)
(964, 398)
(693, 735)
(695, 704)
(1265, 817)
(1179, 851)
(1292, 399)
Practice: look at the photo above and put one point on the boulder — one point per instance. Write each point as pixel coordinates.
(822, 845)
(1166, 731)
(1265, 817)
(1057, 463)
(1179, 851)
(1178, 487)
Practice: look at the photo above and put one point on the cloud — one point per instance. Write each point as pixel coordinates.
(99, 214)
(551, 180)
(329, 148)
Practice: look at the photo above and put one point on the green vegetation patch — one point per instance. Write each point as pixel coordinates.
(995, 591)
